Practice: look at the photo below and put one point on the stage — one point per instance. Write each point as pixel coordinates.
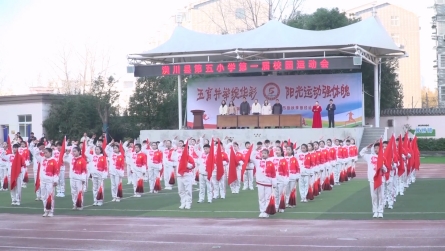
(299, 135)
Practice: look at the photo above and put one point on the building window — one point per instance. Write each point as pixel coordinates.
(441, 63)
(440, 28)
(442, 94)
(240, 13)
(395, 21)
(25, 125)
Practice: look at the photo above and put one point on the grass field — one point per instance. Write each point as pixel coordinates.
(423, 200)
(432, 160)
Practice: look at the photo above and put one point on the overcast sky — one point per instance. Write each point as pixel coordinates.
(33, 32)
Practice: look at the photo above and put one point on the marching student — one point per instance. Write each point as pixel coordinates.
(115, 167)
(294, 173)
(138, 167)
(282, 176)
(185, 177)
(265, 179)
(154, 159)
(47, 181)
(78, 175)
(39, 155)
(3, 167)
(128, 149)
(375, 175)
(236, 185)
(218, 183)
(168, 153)
(26, 156)
(204, 183)
(17, 167)
(98, 168)
(248, 173)
(60, 189)
(304, 161)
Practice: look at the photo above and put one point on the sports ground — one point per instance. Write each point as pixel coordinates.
(340, 219)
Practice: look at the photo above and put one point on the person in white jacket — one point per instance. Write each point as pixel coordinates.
(256, 108)
(129, 150)
(305, 171)
(185, 179)
(154, 162)
(204, 182)
(38, 154)
(282, 175)
(60, 189)
(3, 165)
(115, 167)
(377, 195)
(266, 109)
(98, 168)
(169, 161)
(223, 108)
(265, 179)
(49, 176)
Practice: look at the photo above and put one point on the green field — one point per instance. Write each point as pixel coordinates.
(423, 200)
(432, 160)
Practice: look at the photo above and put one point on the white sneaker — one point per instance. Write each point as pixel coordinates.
(74, 207)
(99, 204)
(95, 204)
(45, 214)
(281, 211)
(181, 206)
(80, 208)
(380, 215)
(114, 199)
(168, 188)
(62, 195)
(244, 188)
(155, 191)
(261, 215)
(187, 207)
(266, 215)
(37, 199)
(200, 201)
(375, 215)
(50, 215)
(390, 207)
(17, 203)
(250, 188)
(118, 200)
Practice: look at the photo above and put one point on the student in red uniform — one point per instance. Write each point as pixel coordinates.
(48, 178)
(265, 178)
(116, 167)
(236, 185)
(98, 168)
(185, 178)
(16, 169)
(282, 175)
(138, 167)
(78, 175)
(294, 172)
(154, 161)
(304, 161)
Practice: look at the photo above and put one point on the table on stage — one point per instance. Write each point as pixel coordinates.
(288, 120)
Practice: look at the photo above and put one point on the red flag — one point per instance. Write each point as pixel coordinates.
(271, 209)
(246, 161)
(9, 150)
(5, 183)
(140, 186)
(16, 168)
(210, 162)
(378, 173)
(219, 162)
(62, 153)
(172, 178)
(79, 203)
(49, 202)
(157, 184)
(415, 150)
(293, 198)
(184, 160)
(100, 194)
(37, 185)
(388, 153)
(282, 204)
(232, 167)
(120, 192)
(401, 168)
(25, 177)
(104, 145)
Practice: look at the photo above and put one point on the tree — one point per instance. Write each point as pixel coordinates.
(72, 116)
(429, 97)
(154, 104)
(233, 16)
(391, 89)
(106, 97)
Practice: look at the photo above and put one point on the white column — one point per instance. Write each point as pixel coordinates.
(179, 102)
(363, 105)
(376, 96)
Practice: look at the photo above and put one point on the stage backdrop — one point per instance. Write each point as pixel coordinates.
(296, 93)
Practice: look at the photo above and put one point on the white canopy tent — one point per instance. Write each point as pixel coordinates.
(367, 39)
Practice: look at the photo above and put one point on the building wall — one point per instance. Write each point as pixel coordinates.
(440, 50)
(434, 122)
(10, 116)
(404, 28)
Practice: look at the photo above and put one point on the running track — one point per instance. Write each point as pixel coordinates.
(30, 232)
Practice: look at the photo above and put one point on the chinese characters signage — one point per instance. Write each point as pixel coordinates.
(244, 67)
(296, 93)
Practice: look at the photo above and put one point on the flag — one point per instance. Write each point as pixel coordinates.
(172, 178)
(9, 150)
(182, 168)
(219, 162)
(401, 168)
(157, 184)
(100, 194)
(246, 161)
(120, 192)
(293, 198)
(5, 183)
(37, 185)
(16, 169)
(140, 186)
(79, 200)
(104, 145)
(49, 202)
(25, 177)
(271, 210)
(62, 153)
(282, 204)
(210, 162)
(415, 150)
(388, 153)
(232, 167)
(380, 162)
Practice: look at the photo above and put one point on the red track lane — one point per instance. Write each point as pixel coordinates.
(105, 233)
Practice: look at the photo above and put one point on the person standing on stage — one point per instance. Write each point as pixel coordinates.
(331, 110)
(277, 108)
(223, 108)
(316, 120)
(256, 108)
(231, 110)
(244, 108)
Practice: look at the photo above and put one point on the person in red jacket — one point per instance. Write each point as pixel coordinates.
(78, 175)
(236, 185)
(294, 172)
(185, 177)
(265, 177)
(47, 179)
(17, 167)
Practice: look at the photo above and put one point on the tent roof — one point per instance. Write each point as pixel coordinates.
(272, 40)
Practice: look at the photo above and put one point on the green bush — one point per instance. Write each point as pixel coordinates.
(431, 144)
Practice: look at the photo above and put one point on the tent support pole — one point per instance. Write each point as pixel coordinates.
(376, 96)
(179, 103)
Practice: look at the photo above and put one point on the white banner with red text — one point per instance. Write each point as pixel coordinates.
(296, 93)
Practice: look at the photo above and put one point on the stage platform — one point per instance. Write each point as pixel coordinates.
(299, 135)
